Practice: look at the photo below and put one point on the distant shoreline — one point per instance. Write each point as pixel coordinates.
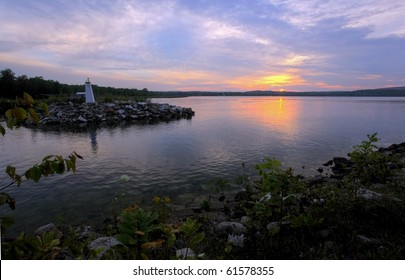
(382, 92)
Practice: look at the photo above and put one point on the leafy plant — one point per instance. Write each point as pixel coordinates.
(370, 166)
(191, 232)
(161, 206)
(206, 204)
(46, 246)
(50, 164)
(23, 109)
(135, 230)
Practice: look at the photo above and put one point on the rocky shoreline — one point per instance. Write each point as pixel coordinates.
(71, 114)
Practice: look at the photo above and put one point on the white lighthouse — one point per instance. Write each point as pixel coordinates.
(88, 93)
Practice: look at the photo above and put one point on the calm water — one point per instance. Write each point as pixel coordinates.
(178, 159)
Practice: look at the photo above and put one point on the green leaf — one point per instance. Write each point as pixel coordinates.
(6, 222)
(33, 115)
(228, 248)
(68, 164)
(14, 116)
(54, 243)
(29, 101)
(10, 170)
(35, 173)
(9, 114)
(19, 113)
(11, 123)
(197, 238)
(57, 167)
(18, 178)
(2, 130)
(44, 108)
(5, 198)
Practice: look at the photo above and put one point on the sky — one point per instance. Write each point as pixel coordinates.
(207, 45)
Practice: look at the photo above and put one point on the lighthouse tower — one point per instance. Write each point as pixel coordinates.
(88, 93)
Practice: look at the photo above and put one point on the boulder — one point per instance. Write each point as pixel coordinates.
(185, 253)
(237, 240)
(104, 244)
(226, 228)
(81, 119)
(368, 194)
(44, 229)
(49, 228)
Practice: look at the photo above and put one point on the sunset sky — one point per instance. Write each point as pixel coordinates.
(228, 45)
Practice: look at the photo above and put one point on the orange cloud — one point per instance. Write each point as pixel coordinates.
(267, 82)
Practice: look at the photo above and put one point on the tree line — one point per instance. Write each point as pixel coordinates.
(12, 86)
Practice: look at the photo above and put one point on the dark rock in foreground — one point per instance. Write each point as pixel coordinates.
(110, 113)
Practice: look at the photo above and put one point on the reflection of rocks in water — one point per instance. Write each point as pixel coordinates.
(93, 139)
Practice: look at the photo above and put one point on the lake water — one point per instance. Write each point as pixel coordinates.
(178, 159)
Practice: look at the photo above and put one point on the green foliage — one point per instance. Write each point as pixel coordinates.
(206, 205)
(52, 164)
(288, 219)
(161, 206)
(136, 228)
(136, 225)
(23, 109)
(2, 130)
(275, 185)
(192, 235)
(46, 246)
(370, 166)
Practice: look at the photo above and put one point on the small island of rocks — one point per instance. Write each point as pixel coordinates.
(65, 114)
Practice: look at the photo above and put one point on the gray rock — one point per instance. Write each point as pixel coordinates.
(237, 240)
(44, 229)
(364, 238)
(245, 220)
(185, 253)
(273, 225)
(129, 107)
(84, 231)
(311, 181)
(81, 119)
(225, 228)
(103, 244)
(368, 194)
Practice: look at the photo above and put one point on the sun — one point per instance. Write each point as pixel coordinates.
(281, 90)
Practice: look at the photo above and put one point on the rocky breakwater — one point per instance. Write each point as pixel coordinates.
(65, 114)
